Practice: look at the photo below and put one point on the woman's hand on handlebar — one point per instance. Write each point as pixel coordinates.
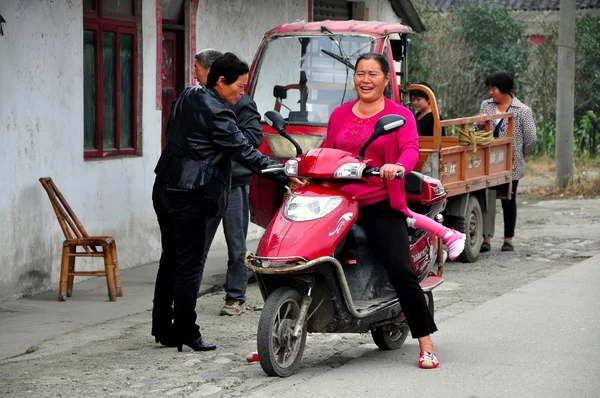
(299, 183)
(389, 171)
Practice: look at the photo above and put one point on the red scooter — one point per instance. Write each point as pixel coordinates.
(314, 267)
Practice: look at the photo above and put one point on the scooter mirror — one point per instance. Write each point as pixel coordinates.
(385, 125)
(388, 124)
(275, 120)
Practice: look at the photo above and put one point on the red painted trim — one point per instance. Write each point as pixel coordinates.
(134, 97)
(118, 90)
(99, 93)
(159, 55)
(536, 40)
(193, 13)
(118, 27)
(310, 11)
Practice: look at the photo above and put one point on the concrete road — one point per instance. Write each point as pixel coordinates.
(521, 324)
(540, 340)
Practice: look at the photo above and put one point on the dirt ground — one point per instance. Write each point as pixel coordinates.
(119, 358)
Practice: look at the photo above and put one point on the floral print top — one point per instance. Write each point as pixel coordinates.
(524, 131)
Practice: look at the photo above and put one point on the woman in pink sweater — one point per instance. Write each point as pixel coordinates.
(383, 210)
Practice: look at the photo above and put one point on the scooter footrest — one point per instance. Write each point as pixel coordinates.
(430, 283)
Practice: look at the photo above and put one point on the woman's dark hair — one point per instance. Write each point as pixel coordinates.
(420, 93)
(229, 66)
(381, 60)
(502, 80)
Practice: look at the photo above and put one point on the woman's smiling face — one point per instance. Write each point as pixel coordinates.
(369, 80)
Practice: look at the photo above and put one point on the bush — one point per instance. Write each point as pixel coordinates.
(460, 47)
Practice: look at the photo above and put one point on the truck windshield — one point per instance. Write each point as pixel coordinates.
(306, 77)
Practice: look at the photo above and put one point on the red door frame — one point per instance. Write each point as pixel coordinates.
(178, 73)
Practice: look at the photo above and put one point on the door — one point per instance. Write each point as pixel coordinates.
(172, 74)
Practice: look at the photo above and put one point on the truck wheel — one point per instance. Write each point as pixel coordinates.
(279, 351)
(473, 228)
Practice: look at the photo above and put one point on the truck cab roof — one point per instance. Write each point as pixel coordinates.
(360, 27)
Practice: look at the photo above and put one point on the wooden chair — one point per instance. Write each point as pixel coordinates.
(93, 246)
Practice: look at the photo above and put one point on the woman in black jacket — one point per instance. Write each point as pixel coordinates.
(193, 178)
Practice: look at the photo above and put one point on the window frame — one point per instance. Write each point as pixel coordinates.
(99, 23)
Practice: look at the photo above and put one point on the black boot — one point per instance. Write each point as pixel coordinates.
(196, 344)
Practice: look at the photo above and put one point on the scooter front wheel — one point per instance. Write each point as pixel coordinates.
(279, 351)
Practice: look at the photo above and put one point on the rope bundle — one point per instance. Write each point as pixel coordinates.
(472, 137)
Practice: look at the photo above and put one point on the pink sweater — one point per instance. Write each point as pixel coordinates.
(402, 146)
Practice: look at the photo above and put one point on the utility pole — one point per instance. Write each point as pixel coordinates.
(565, 94)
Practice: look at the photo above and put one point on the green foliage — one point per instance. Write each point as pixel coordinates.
(540, 79)
(441, 57)
(546, 135)
(587, 72)
(587, 136)
(462, 46)
(498, 39)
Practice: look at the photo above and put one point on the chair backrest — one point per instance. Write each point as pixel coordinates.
(69, 223)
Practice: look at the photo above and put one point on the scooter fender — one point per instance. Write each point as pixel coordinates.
(423, 253)
(309, 239)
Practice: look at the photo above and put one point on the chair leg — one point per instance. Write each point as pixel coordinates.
(113, 247)
(110, 275)
(71, 278)
(64, 271)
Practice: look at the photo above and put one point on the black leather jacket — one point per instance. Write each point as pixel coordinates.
(202, 140)
(248, 121)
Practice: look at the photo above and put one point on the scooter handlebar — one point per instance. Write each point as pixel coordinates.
(274, 168)
(375, 172)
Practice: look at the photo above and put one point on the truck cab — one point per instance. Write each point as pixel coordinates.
(305, 70)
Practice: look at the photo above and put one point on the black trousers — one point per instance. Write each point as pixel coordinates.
(509, 211)
(182, 217)
(388, 237)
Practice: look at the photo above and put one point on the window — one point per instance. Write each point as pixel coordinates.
(312, 73)
(109, 77)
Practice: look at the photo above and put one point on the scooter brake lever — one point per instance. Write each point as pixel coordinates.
(272, 170)
(376, 172)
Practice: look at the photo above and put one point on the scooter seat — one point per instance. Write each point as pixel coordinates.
(423, 189)
(413, 183)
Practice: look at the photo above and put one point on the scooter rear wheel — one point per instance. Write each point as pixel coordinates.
(390, 336)
(279, 352)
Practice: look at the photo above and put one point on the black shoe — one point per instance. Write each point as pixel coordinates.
(165, 336)
(166, 340)
(485, 247)
(508, 247)
(196, 345)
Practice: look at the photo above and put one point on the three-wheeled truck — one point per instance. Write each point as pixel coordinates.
(304, 70)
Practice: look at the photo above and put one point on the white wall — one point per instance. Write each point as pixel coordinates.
(239, 25)
(381, 10)
(41, 130)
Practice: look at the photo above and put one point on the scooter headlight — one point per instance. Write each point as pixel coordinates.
(306, 208)
(350, 171)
